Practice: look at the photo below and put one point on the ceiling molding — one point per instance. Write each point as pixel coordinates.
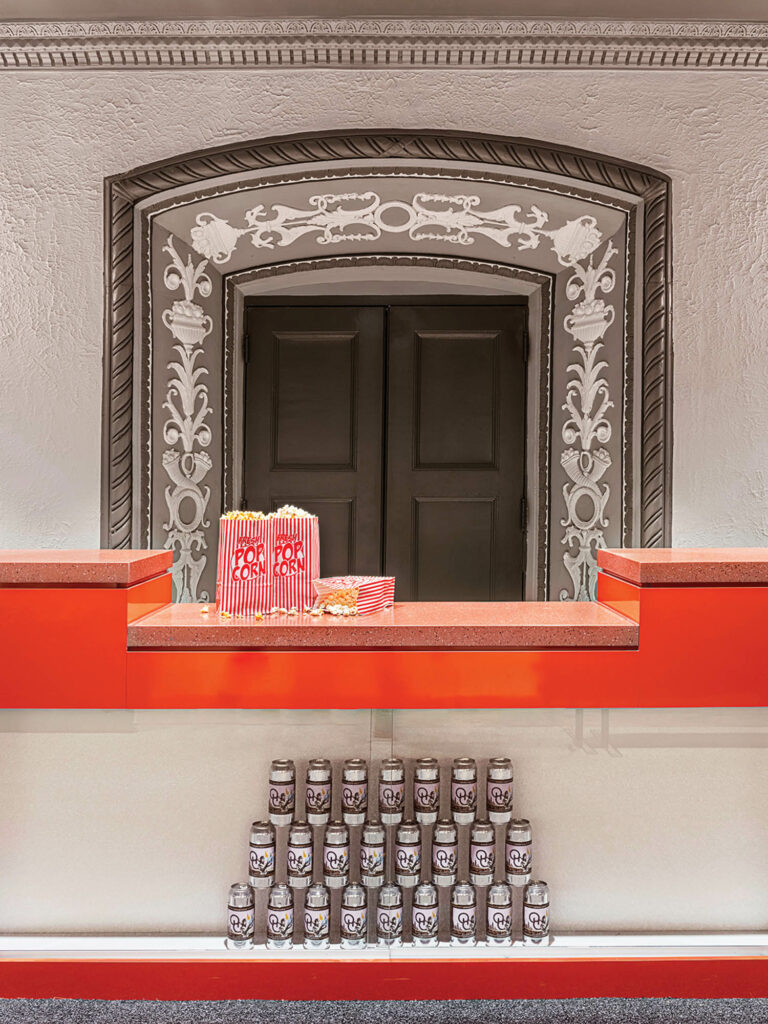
(408, 43)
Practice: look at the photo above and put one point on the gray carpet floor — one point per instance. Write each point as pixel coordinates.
(550, 1011)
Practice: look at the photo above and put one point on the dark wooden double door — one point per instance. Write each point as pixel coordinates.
(403, 428)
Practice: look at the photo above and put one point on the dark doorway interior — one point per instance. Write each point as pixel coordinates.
(402, 426)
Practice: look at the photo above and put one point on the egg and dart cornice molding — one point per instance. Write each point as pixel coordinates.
(416, 43)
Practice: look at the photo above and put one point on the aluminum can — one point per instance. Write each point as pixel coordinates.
(445, 852)
(389, 916)
(425, 915)
(336, 855)
(482, 853)
(282, 791)
(408, 854)
(280, 917)
(426, 790)
(372, 854)
(299, 855)
(354, 917)
(240, 916)
(318, 792)
(463, 915)
(498, 790)
(261, 855)
(498, 915)
(517, 852)
(464, 790)
(536, 914)
(354, 791)
(391, 791)
(317, 918)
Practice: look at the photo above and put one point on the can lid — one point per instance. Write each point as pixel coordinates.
(519, 829)
(427, 769)
(444, 831)
(355, 770)
(536, 894)
(408, 832)
(373, 832)
(336, 834)
(300, 832)
(318, 770)
(392, 769)
(499, 895)
(463, 894)
(500, 768)
(354, 895)
(241, 895)
(262, 833)
(390, 895)
(482, 831)
(280, 896)
(282, 770)
(317, 896)
(425, 895)
(464, 768)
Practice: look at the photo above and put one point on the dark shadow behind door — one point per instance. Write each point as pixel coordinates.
(403, 428)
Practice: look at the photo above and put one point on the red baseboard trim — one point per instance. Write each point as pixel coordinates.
(700, 977)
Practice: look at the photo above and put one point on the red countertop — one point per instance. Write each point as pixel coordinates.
(687, 566)
(438, 625)
(76, 568)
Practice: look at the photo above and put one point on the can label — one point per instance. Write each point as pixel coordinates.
(499, 796)
(445, 858)
(463, 797)
(317, 923)
(282, 797)
(371, 859)
(463, 922)
(408, 858)
(354, 923)
(482, 858)
(280, 923)
(354, 797)
(391, 797)
(336, 860)
(389, 922)
(499, 922)
(318, 798)
(261, 861)
(518, 858)
(535, 921)
(424, 922)
(426, 797)
(241, 921)
(299, 860)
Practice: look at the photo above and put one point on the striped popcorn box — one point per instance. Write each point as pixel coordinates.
(266, 563)
(348, 595)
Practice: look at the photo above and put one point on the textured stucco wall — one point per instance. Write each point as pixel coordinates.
(63, 132)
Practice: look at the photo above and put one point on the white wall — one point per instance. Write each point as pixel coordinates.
(158, 808)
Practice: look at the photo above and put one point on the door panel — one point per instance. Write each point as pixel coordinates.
(313, 424)
(455, 452)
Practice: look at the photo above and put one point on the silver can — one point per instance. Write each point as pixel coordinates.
(318, 792)
(240, 916)
(317, 918)
(299, 855)
(389, 916)
(445, 852)
(354, 917)
(372, 854)
(282, 791)
(336, 855)
(261, 855)
(517, 852)
(425, 915)
(463, 915)
(408, 854)
(498, 915)
(498, 790)
(391, 791)
(426, 790)
(536, 914)
(464, 790)
(482, 853)
(354, 791)
(280, 917)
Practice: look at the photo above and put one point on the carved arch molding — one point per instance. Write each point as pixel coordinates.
(585, 236)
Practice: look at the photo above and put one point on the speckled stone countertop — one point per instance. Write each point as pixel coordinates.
(692, 566)
(438, 625)
(73, 568)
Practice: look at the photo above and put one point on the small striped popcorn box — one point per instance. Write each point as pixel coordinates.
(354, 595)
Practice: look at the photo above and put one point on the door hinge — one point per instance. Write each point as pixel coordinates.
(246, 348)
(523, 514)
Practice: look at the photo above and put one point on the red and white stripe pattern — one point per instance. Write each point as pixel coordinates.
(266, 563)
(373, 592)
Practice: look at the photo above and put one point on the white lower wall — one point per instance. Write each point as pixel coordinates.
(138, 821)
